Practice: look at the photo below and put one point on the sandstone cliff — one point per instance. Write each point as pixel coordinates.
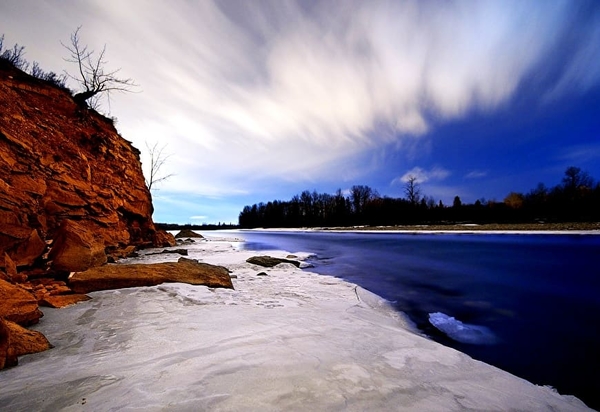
(59, 162)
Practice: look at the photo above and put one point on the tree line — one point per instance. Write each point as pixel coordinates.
(575, 199)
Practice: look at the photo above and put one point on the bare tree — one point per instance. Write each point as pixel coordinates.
(360, 195)
(14, 56)
(412, 189)
(575, 179)
(92, 76)
(157, 161)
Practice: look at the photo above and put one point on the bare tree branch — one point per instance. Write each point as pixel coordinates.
(92, 77)
(157, 161)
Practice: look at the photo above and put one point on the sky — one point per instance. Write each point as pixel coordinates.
(254, 101)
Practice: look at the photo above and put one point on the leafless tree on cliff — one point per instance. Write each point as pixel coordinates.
(92, 77)
(14, 56)
(157, 161)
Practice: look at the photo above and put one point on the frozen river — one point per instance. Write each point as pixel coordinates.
(536, 297)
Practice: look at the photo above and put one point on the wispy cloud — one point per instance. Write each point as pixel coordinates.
(476, 174)
(284, 90)
(246, 92)
(581, 154)
(422, 175)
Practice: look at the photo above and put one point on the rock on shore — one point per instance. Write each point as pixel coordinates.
(134, 275)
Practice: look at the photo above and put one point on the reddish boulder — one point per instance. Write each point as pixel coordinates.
(24, 341)
(7, 353)
(127, 276)
(28, 251)
(61, 301)
(164, 239)
(18, 305)
(16, 341)
(23, 244)
(12, 274)
(10, 267)
(75, 248)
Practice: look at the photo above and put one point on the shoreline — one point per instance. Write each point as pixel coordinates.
(285, 338)
(497, 229)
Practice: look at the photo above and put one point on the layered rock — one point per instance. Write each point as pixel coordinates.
(60, 162)
(125, 276)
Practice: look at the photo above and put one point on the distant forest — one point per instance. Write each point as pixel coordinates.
(575, 199)
(189, 226)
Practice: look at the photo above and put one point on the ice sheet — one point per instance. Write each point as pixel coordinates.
(290, 340)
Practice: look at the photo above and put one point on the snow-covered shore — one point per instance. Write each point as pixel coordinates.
(284, 339)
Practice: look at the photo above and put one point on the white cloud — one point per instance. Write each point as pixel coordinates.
(247, 91)
(476, 174)
(198, 217)
(422, 175)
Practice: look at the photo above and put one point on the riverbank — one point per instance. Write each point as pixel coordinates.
(571, 227)
(584, 228)
(284, 339)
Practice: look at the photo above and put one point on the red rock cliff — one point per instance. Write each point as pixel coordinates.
(60, 161)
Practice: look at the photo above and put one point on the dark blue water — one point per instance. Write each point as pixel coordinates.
(539, 295)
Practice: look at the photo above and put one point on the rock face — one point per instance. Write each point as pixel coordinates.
(126, 276)
(61, 161)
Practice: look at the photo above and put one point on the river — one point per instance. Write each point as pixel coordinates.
(525, 303)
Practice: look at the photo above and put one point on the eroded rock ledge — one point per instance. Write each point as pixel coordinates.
(119, 276)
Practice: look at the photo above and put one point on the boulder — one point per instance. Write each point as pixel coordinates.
(10, 267)
(182, 252)
(185, 233)
(24, 341)
(75, 248)
(164, 239)
(116, 276)
(61, 301)
(29, 250)
(18, 305)
(7, 353)
(269, 262)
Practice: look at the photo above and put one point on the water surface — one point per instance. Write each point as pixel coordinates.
(537, 295)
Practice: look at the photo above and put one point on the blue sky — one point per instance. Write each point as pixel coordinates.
(260, 100)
